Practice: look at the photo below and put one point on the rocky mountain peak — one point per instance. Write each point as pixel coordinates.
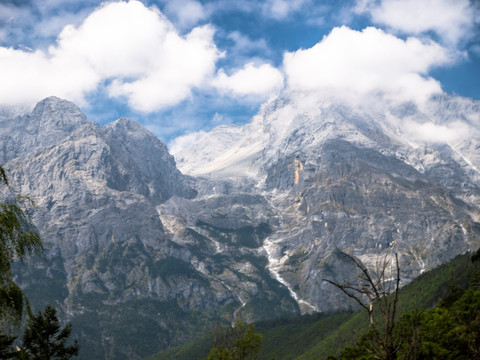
(134, 134)
(51, 121)
(145, 162)
(128, 125)
(58, 113)
(349, 175)
(281, 198)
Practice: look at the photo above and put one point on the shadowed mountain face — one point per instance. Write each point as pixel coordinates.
(140, 257)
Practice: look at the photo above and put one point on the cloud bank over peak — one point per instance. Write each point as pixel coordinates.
(364, 62)
(253, 80)
(174, 64)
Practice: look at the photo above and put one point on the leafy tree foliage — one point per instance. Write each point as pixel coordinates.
(240, 342)
(17, 240)
(445, 333)
(44, 339)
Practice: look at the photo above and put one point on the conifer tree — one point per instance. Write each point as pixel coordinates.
(7, 347)
(44, 339)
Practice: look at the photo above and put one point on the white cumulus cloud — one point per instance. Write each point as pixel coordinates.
(261, 80)
(181, 64)
(369, 61)
(452, 20)
(134, 49)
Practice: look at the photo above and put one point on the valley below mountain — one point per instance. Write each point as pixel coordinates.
(146, 251)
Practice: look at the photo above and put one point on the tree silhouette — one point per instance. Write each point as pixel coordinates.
(7, 348)
(44, 339)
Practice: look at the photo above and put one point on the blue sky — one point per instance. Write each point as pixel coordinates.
(181, 66)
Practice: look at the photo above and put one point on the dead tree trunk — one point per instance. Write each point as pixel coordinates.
(377, 290)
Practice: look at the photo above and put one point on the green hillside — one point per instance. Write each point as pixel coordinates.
(424, 292)
(317, 337)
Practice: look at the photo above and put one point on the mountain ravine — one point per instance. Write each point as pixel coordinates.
(141, 257)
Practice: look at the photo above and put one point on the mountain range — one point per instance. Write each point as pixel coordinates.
(145, 251)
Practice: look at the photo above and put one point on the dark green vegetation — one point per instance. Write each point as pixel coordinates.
(286, 338)
(44, 338)
(451, 330)
(442, 306)
(240, 342)
(425, 292)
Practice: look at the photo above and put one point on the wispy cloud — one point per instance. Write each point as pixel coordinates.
(281, 9)
(179, 62)
(35, 23)
(190, 11)
(187, 13)
(242, 44)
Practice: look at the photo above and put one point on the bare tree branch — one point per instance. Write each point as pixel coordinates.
(373, 292)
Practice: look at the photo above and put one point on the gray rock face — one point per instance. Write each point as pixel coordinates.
(144, 163)
(365, 203)
(51, 121)
(129, 247)
(363, 180)
(135, 247)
